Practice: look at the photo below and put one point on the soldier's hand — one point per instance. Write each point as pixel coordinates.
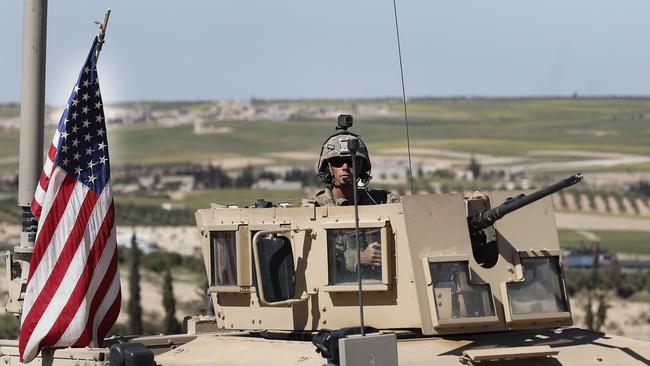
(371, 256)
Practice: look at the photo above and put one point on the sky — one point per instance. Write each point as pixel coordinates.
(277, 49)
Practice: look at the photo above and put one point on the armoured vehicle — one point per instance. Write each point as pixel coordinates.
(455, 286)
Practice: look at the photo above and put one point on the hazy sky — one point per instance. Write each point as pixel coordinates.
(183, 50)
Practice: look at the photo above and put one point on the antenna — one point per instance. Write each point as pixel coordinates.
(353, 146)
(406, 119)
(102, 33)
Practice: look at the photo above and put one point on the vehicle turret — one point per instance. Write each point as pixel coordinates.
(283, 268)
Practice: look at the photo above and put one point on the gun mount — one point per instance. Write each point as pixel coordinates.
(480, 218)
(487, 217)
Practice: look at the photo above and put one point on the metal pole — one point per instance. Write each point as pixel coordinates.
(32, 107)
(353, 145)
(30, 163)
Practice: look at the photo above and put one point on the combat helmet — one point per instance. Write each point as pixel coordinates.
(337, 145)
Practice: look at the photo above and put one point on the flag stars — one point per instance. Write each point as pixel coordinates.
(92, 179)
(75, 142)
(86, 123)
(74, 115)
(99, 118)
(84, 110)
(75, 102)
(77, 171)
(65, 162)
(98, 105)
(76, 156)
(76, 88)
(100, 132)
(86, 83)
(87, 137)
(91, 164)
(103, 160)
(64, 148)
(85, 96)
(89, 151)
(86, 69)
(101, 146)
(64, 135)
(75, 129)
(97, 93)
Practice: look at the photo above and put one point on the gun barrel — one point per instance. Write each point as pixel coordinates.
(487, 217)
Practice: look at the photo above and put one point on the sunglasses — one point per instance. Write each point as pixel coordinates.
(338, 162)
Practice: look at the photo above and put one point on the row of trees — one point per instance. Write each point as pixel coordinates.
(623, 284)
(208, 176)
(591, 195)
(169, 324)
(597, 283)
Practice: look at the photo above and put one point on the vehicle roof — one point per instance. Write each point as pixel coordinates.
(575, 347)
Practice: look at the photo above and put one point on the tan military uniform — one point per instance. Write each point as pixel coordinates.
(365, 197)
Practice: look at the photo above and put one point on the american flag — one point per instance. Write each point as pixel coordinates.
(73, 289)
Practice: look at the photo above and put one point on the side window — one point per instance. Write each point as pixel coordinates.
(342, 255)
(455, 297)
(276, 267)
(541, 291)
(223, 255)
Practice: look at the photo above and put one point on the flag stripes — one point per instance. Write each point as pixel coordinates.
(73, 290)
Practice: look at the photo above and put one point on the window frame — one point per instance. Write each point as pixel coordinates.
(242, 260)
(560, 317)
(459, 322)
(387, 259)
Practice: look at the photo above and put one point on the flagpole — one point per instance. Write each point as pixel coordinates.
(30, 163)
(102, 32)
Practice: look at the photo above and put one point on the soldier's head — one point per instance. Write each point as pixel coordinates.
(335, 162)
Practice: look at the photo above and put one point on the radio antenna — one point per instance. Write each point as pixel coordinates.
(406, 119)
(353, 145)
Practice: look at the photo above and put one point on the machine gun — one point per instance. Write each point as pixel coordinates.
(485, 251)
(487, 217)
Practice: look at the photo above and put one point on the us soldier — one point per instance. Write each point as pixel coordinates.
(335, 170)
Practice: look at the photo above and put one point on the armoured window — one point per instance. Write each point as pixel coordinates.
(342, 255)
(276, 267)
(454, 296)
(223, 255)
(541, 291)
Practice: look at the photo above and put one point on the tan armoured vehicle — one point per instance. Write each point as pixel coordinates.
(459, 283)
(454, 287)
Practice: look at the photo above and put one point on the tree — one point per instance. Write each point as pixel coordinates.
(134, 307)
(246, 178)
(474, 167)
(589, 314)
(601, 313)
(170, 324)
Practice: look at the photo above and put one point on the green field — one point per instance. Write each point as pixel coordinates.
(202, 199)
(501, 127)
(9, 110)
(629, 242)
(504, 127)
